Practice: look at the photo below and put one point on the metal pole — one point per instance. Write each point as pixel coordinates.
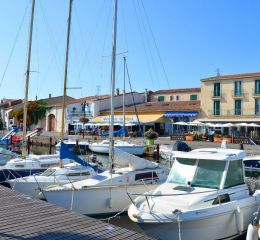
(65, 74)
(112, 90)
(65, 77)
(124, 101)
(24, 150)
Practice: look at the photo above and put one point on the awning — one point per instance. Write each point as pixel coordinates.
(143, 118)
(180, 114)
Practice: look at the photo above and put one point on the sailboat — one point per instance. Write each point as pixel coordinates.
(64, 173)
(106, 193)
(26, 165)
(205, 197)
(103, 146)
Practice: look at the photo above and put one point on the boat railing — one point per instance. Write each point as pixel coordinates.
(148, 196)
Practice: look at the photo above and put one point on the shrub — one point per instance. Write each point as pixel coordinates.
(151, 134)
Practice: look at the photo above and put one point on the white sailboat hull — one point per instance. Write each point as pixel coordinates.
(135, 150)
(222, 223)
(101, 200)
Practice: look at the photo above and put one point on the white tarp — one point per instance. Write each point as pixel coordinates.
(135, 163)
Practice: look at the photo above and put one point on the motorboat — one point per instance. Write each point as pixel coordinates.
(252, 166)
(168, 152)
(72, 143)
(204, 197)
(32, 164)
(103, 147)
(6, 155)
(33, 184)
(106, 193)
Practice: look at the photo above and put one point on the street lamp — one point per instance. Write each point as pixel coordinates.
(83, 104)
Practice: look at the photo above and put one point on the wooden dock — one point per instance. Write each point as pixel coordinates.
(24, 218)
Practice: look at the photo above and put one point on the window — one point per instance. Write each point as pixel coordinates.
(171, 98)
(252, 163)
(257, 106)
(216, 108)
(238, 88)
(161, 99)
(177, 98)
(78, 174)
(146, 176)
(209, 174)
(234, 174)
(182, 171)
(193, 97)
(216, 89)
(238, 104)
(257, 86)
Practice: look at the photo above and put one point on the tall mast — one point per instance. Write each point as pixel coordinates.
(65, 74)
(124, 101)
(24, 152)
(112, 90)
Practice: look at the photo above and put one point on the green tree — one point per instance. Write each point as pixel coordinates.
(36, 110)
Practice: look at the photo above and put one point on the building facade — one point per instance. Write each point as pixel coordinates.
(231, 98)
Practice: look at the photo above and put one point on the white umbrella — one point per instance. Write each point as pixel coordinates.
(253, 125)
(181, 123)
(242, 124)
(210, 124)
(219, 125)
(228, 125)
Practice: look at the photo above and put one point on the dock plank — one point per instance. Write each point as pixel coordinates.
(25, 218)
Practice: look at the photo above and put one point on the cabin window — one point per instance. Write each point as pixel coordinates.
(209, 174)
(146, 176)
(49, 172)
(182, 171)
(78, 174)
(234, 174)
(19, 165)
(47, 165)
(252, 164)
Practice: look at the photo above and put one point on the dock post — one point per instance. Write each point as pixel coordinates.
(157, 151)
(50, 145)
(28, 145)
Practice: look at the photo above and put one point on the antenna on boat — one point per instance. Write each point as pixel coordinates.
(124, 99)
(112, 90)
(65, 77)
(24, 151)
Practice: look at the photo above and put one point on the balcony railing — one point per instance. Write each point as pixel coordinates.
(250, 112)
(256, 93)
(238, 94)
(216, 94)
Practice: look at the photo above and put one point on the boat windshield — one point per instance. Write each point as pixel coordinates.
(48, 172)
(208, 174)
(182, 171)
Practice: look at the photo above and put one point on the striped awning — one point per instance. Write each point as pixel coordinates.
(180, 114)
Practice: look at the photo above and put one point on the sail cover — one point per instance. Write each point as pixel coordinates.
(134, 162)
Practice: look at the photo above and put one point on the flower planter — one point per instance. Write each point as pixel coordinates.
(189, 138)
(228, 139)
(218, 139)
(149, 141)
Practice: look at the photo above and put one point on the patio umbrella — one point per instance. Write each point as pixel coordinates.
(242, 124)
(228, 125)
(181, 123)
(253, 125)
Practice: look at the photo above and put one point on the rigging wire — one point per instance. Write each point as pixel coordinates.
(54, 47)
(156, 45)
(86, 56)
(144, 46)
(14, 44)
(136, 113)
(147, 40)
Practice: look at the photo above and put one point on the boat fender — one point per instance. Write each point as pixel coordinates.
(252, 232)
(239, 219)
(109, 202)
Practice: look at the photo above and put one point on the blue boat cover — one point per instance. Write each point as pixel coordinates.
(120, 133)
(66, 153)
(180, 114)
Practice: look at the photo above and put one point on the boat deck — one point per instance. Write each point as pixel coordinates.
(24, 218)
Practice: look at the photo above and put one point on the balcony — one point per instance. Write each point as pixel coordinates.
(216, 95)
(256, 93)
(235, 113)
(238, 94)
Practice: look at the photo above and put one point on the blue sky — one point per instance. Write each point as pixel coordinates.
(169, 44)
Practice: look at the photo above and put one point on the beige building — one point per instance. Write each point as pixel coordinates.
(231, 98)
(172, 95)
